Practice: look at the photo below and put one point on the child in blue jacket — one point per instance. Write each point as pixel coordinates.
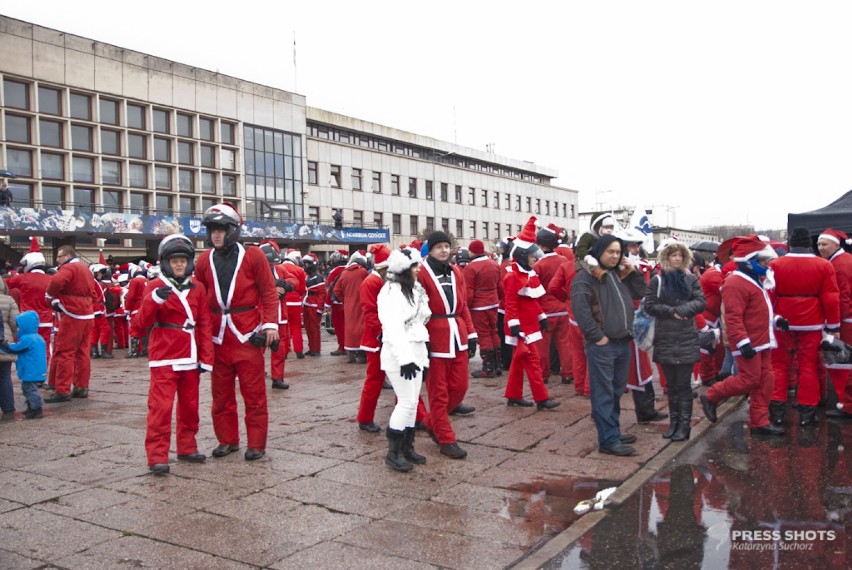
(31, 363)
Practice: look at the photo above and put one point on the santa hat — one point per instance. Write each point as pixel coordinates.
(476, 247)
(310, 258)
(358, 255)
(123, 278)
(34, 248)
(294, 255)
(343, 252)
(380, 253)
(416, 244)
(526, 237)
(101, 258)
(401, 259)
(752, 246)
(836, 236)
(273, 245)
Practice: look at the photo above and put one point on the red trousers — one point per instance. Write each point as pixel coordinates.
(338, 321)
(557, 332)
(578, 360)
(446, 385)
(233, 360)
(118, 324)
(803, 347)
(165, 384)
(840, 376)
(294, 320)
(525, 358)
(277, 358)
(754, 377)
(485, 325)
(71, 363)
(711, 364)
(373, 382)
(101, 333)
(312, 328)
(45, 333)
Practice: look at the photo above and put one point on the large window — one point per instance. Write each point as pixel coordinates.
(413, 225)
(81, 137)
(186, 205)
(185, 152)
(226, 133)
(378, 219)
(163, 205)
(160, 120)
(138, 203)
(53, 196)
(52, 166)
(109, 111)
(273, 169)
(81, 106)
(136, 146)
(84, 198)
(377, 182)
(356, 179)
(430, 224)
(397, 224)
(312, 172)
(208, 182)
(163, 177)
(429, 190)
(334, 172)
(110, 172)
(16, 94)
(110, 142)
(50, 133)
(208, 154)
(19, 161)
(394, 184)
(412, 188)
(227, 159)
(358, 218)
(162, 151)
(205, 129)
(186, 182)
(17, 129)
(444, 192)
(49, 101)
(458, 194)
(459, 228)
(82, 169)
(112, 200)
(184, 125)
(135, 116)
(229, 185)
(138, 175)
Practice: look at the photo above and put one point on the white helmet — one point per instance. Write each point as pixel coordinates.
(32, 260)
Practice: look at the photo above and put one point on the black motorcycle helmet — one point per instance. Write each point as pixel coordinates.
(462, 257)
(223, 216)
(272, 253)
(176, 245)
(547, 238)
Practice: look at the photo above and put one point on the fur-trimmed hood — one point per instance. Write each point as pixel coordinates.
(671, 248)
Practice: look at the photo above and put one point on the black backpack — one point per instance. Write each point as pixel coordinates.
(111, 301)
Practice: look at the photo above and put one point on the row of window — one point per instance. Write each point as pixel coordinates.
(463, 229)
(337, 134)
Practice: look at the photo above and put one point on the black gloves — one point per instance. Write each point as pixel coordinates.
(832, 330)
(542, 324)
(284, 284)
(472, 344)
(782, 324)
(409, 371)
(258, 339)
(515, 330)
(55, 305)
(163, 292)
(747, 351)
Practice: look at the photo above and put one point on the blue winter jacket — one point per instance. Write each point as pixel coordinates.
(30, 348)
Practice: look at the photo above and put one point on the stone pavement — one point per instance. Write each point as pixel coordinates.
(75, 491)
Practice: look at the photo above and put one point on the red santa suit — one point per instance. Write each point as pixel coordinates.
(839, 373)
(560, 287)
(372, 347)
(75, 291)
(133, 301)
(101, 333)
(248, 305)
(348, 290)
(113, 294)
(483, 279)
(180, 344)
(277, 359)
(32, 286)
(556, 311)
(312, 310)
(334, 305)
(293, 300)
(522, 289)
(641, 372)
(711, 285)
(120, 316)
(805, 294)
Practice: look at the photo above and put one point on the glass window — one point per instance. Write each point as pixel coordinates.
(208, 182)
(358, 218)
(248, 137)
(112, 200)
(161, 150)
(136, 146)
(458, 194)
(538, 205)
(186, 205)
(109, 111)
(16, 94)
(138, 203)
(518, 203)
(444, 192)
(110, 172)
(313, 213)
(52, 166)
(81, 137)
(163, 177)
(205, 129)
(185, 181)
(185, 152)
(227, 159)
(484, 199)
(53, 196)
(335, 176)
(135, 116)
(49, 101)
(412, 188)
(163, 205)
(312, 173)
(207, 203)
(50, 133)
(484, 230)
(430, 224)
(356, 179)
(81, 106)
(226, 133)
(208, 154)
(472, 231)
(160, 120)
(17, 129)
(378, 219)
(82, 169)
(413, 225)
(508, 201)
(229, 185)
(529, 204)
(546, 207)
(397, 224)
(394, 184)
(445, 224)
(459, 228)
(138, 175)
(19, 161)
(377, 182)
(429, 190)
(496, 203)
(110, 142)
(84, 198)
(471, 196)
(184, 125)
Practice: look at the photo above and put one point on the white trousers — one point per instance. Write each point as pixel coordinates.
(407, 394)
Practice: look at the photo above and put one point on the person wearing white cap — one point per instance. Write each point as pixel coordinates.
(602, 224)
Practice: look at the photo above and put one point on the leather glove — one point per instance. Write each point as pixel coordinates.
(747, 351)
(542, 324)
(56, 306)
(515, 330)
(163, 292)
(409, 371)
(833, 330)
(284, 284)
(472, 345)
(782, 324)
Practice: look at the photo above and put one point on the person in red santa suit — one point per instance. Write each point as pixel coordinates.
(829, 245)
(101, 333)
(556, 310)
(113, 313)
(806, 295)
(32, 282)
(484, 281)
(119, 322)
(72, 293)
(348, 290)
(313, 304)
(748, 323)
(175, 308)
(560, 287)
(711, 285)
(452, 340)
(504, 261)
(241, 295)
(525, 321)
(333, 305)
(285, 282)
(294, 299)
(132, 302)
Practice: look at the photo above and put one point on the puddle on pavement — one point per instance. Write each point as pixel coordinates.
(735, 501)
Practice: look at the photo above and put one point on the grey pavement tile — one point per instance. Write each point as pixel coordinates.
(18, 456)
(237, 473)
(83, 469)
(113, 433)
(434, 547)
(140, 552)
(517, 435)
(48, 537)
(137, 515)
(30, 488)
(595, 465)
(337, 555)
(6, 506)
(259, 506)
(415, 484)
(178, 490)
(477, 497)
(297, 463)
(87, 500)
(373, 503)
(13, 561)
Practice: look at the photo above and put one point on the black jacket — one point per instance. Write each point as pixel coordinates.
(602, 302)
(675, 341)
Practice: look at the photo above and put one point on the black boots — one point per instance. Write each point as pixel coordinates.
(807, 415)
(684, 423)
(487, 370)
(395, 458)
(106, 352)
(134, 348)
(777, 411)
(94, 352)
(674, 418)
(709, 408)
(408, 448)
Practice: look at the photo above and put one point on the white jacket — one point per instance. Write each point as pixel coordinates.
(404, 333)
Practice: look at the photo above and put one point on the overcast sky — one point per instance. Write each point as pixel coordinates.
(713, 112)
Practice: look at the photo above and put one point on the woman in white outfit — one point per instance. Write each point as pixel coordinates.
(403, 311)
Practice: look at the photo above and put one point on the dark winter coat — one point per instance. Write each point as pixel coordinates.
(602, 301)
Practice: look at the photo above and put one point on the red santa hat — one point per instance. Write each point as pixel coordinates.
(416, 244)
(310, 258)
(752, 246)
(122, 278)
(34, 247)
(272, 244)
(380, 253)
(343, 252)
(476, 247)
(836, 236)
(526, 237)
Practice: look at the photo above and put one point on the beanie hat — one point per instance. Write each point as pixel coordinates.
(476, 247)
(437, 237)
(380, 254)
(601, 245)
(800, 237)
(399, 260)
(836, 236)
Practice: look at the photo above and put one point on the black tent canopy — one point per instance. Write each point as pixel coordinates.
(837, 215)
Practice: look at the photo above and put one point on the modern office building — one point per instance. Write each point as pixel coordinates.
(114, 148)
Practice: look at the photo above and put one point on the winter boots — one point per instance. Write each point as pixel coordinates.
(95, 351)
(106, 351)
(408, 448)
(674, 418)
(395, 458)
(807, 415)
(684, 423)
(488, 362)
(134, 348)
(777, 412)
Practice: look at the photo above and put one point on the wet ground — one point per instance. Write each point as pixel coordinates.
(735, 501)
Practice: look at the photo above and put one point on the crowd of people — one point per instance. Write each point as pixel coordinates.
(750, 322)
